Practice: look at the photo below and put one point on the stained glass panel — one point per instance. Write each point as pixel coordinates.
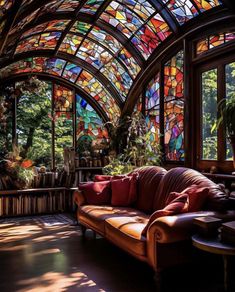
(122, 18)
(145, 41)
(80, 27)
(230, 36)
(39, 42)
(68, 5)
(71, 72)
(91, 6)
(202, 46)
(174, 107)
(93, 87)
(213, 41)
(105, 39)
(70, 44)
(183, 10)
(118, 76)
(153, 124)
(24, 66)
(141, 7)
(174, 77)
(89, 123)
(130, 62)
(216, 40)
(152, 94)
(206, 5)
(55, 25)
(174, 130)
(152, 106)
(159, 26)
(63, 98)
(93, 54)
(49, 40)
(55, 66)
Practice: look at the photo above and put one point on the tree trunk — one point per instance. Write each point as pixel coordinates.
(29, 142)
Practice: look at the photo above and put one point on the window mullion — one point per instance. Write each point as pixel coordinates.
(221, 142)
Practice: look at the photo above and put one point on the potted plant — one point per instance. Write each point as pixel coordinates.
(226, 116)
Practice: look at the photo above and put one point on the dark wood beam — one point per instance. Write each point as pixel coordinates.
(11, 17)
(230, 4)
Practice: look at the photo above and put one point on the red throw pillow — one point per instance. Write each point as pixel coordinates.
(124, 190)
(178, 205)
(102, 177)
(197, 197)
(97, 193)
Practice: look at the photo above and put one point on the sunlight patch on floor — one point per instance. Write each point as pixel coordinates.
(53, 281)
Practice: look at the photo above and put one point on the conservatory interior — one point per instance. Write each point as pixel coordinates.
(117, 145)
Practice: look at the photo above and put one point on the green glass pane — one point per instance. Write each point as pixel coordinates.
(209, 114)
(230, 92)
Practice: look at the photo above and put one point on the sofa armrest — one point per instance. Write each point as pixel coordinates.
(176, 228)
(169, 229)
(78, 198)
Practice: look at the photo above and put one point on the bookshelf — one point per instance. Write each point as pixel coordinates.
(35, 201)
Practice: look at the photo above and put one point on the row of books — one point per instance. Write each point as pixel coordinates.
(35, 203)
(42, 180)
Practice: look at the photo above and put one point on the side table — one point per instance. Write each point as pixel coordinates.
(213, 245)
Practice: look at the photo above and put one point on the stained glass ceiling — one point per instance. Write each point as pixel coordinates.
(98, 45)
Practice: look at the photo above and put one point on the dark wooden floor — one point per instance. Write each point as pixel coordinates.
(37, 258)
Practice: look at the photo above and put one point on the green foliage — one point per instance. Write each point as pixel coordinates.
(25, 175)
(139, 151)
(226, 111)
(118, 165)
(33, 121)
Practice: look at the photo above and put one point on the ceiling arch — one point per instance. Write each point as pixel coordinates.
(72, 74)
(112, 41)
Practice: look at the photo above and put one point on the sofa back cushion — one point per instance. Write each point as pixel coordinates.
(180, 178)
(147, 185)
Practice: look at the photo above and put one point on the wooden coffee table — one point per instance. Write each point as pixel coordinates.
(213, 245)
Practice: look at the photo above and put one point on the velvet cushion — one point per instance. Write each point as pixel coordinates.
(124, 190)
(97, 193)
(102, 177)
(179, 204)
(197, 197)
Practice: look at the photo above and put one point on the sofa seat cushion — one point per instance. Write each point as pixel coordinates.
(125, 231)
(94, 216)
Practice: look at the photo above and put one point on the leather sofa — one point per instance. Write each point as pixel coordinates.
(168, 239)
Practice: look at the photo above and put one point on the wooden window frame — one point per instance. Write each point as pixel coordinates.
(219, 62)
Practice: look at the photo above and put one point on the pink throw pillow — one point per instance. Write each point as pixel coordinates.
(124, 190)
(97, 193)
(178, 205)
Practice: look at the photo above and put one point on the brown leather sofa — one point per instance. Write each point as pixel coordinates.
(168, 240)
